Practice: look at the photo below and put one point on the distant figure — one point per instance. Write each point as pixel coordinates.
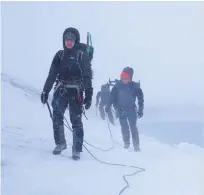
(102, 100)
(123, 97)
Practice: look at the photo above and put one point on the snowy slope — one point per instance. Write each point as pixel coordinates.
(28, 166)
(162, 41)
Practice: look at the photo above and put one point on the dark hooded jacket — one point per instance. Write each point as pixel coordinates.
(123, 96)
(71, 64)
(103, 95)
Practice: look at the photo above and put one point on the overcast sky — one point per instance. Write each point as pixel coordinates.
(162, 41)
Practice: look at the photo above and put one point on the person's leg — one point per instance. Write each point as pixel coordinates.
(102, 112)
(110, 116)
(125, 129)
(75, 112)
(132, 119)
(59, 106)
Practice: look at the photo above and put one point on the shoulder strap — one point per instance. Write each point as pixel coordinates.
(79, 55)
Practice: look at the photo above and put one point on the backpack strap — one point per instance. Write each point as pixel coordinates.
(79, 56)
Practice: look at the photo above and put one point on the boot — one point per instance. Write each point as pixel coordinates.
(75, 155)
(126, 145)
(58, 148)
(136, 148)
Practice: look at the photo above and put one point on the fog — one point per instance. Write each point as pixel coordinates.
(162, 41)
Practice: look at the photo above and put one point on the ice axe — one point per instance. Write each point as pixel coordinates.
(48, 106)
(88, 38)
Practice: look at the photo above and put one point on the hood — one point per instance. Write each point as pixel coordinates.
(74, 31)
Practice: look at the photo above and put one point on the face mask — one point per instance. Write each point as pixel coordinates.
(69, 44)
(69, 39)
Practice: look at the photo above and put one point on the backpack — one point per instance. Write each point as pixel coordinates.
(80, 51)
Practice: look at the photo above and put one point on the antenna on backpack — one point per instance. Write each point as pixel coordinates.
(88, 35)
(89, 43)
(113, 82)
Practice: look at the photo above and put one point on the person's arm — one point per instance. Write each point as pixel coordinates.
(87, 78)
(97, 98)
(53, 72)
(113, 99)
(140, 98)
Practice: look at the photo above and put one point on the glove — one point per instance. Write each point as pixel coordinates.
(44, 97)
(140, 113)
(87, 102)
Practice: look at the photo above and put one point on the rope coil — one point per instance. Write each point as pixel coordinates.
(139, 169)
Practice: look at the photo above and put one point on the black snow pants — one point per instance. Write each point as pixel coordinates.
(128, 122)
(61, 101)
(102, 113)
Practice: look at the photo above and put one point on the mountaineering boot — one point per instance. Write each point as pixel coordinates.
(75, 155)
(126, 145)
(58, 148)
(136, 148)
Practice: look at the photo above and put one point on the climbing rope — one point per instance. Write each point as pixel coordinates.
(139, 169)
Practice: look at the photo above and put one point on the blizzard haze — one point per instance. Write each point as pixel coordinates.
(162, 41)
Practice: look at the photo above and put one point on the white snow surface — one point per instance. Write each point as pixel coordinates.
(162, 41)
(28, 166)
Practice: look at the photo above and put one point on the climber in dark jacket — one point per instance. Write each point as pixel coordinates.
(102, 100)
(123, 97)
(71, 67)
